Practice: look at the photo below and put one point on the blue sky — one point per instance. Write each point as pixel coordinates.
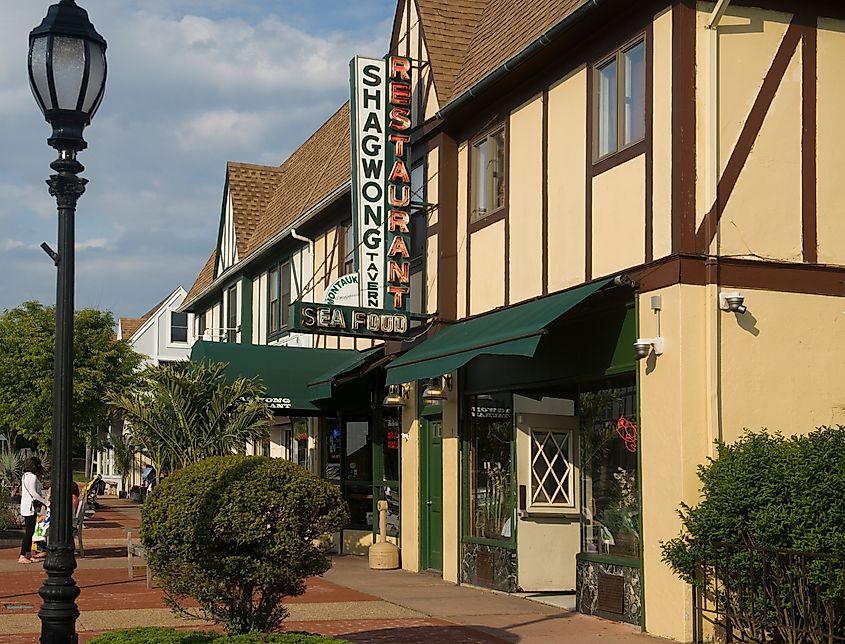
(192, 84)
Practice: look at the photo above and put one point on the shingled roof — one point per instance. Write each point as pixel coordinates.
(204, 279)
(468, 39)
(128, 326)
(251, 187)
(316, 169)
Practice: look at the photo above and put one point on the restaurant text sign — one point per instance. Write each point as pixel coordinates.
(381, 183)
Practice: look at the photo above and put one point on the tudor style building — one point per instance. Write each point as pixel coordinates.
(593, 182)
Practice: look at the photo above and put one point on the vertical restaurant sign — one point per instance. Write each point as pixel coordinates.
(381, 183)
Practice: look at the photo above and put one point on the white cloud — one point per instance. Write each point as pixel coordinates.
(192, 84)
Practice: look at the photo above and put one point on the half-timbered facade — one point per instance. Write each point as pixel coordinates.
(625, 233)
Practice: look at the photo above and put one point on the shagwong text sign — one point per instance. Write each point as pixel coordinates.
(381, 184)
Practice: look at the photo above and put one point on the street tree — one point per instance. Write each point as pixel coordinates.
(101, 365)
(185, 412)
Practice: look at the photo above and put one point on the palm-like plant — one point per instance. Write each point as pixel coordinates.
(11, 467)
(183, 413)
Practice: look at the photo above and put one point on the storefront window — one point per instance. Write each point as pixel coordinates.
(300, 436)
(610, 474)
(491, 499)
(358, 479)
(332, 455)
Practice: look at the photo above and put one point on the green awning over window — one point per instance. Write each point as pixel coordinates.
(285, 371)
(320, 388)
(514, 331)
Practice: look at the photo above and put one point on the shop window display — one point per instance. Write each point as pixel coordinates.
(610, 472)
(491, 495)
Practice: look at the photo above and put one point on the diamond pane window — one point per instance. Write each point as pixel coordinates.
(551, 468)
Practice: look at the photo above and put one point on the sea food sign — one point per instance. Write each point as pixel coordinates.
(381, 181)
(355, 321)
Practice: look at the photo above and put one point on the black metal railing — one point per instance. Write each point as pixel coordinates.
(747, 593)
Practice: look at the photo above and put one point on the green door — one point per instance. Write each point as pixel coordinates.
(431, 493)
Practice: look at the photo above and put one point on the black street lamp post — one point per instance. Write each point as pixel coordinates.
(67, 75)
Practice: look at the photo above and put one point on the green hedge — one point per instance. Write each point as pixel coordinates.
(172, 636)
(237, 534)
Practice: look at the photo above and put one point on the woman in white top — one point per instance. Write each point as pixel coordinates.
(31, 493)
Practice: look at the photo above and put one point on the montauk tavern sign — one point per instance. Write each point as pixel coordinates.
(380, 110)
(328, 319)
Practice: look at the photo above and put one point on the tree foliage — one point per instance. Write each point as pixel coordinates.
(101, 365)
(184, 412)
(237, 534)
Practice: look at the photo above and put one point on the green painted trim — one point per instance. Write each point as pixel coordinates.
(609, 559)
(219, 246)
(246, 310)
(640, 472)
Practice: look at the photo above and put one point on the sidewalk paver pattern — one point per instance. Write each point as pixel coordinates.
(350, 601)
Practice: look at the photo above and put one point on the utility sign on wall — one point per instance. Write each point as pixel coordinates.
(381, 185)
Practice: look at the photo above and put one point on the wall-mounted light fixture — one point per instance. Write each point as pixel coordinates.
(396, 396)
(732, 301)
(436, 390)
(643, 346)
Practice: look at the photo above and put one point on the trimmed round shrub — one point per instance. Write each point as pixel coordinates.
(237, 534)
(147, 635)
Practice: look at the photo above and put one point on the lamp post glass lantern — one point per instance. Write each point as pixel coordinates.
(67, 75)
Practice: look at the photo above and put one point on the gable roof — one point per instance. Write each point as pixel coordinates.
(468, 39)
(204, 279)
(448, 27)
(250, 188)
(316, 169)
(129, 326)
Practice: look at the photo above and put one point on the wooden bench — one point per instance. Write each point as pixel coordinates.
(79, 523)
(136, 549)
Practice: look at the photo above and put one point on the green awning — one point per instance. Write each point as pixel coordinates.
(514, 331)
(284, 371)
(320, 388)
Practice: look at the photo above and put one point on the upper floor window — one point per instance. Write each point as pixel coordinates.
(347, 248)
(201, 325)
(232, 317)
(273, 324)
(488, 174)
(620, 99)
(178, 327)
(278, 298)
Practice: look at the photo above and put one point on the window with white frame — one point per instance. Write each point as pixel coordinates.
(178, 327)
(620, 99)
(278, 298)
(232, 314)
(488, 174)
(552, 469)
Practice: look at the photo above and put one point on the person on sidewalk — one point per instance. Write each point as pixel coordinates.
(32, 499)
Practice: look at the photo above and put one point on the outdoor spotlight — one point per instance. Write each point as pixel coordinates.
(395, 396)
(435, 391)
(732, 301)
(643, 346)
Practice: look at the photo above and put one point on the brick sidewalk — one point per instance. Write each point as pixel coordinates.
(350, 602)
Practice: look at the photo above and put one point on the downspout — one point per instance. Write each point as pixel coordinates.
(713, 314)
(296, 277)
(512, 63)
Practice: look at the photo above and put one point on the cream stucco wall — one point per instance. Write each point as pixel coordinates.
(798, 335)
(410, 484)
(525, 192)
(431, 273)
(619, 217)
(831, 142)
(567, 201)
(487, 268)
(762, 218)
(673, 441)
(432, 181)
(662, 136)
(462, 228)
(451, 489)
